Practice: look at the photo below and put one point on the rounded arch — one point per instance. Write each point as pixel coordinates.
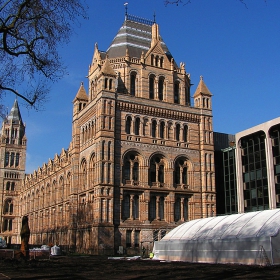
(158, 164)
(132, 150)
(8, 206)
(189, 162)
(132, 160)
(182, 172)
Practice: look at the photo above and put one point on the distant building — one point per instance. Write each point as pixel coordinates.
(224, 161)
(141, 158)
(12, 173)
(258, 167)
(251, 170)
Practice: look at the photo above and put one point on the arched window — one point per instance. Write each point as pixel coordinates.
(92, 89)
(160, 88)
(154, 128)
(185, 176)
(127, 170)
(177, 132)
(157, 61)
(161, 208)
(17, 159)
(137, 126)
(162, 129)
(181, 172)
(152, 87)
(8, 185)
(7, 158)
(185, 133)
(12, 159)
(84, 173)
(176, 92)
(153, 172)
(135, 171)
(135, 209)
(131, 168)
(185, 209)
(106, 83)
(161, 62)
(161, 174)
(126, 207)
(152, 59)
(110, 84)
(177, 209)
(133, 84)
(128, 125)
(156, 171)
(187, 96)
(109, 150)
(8, 207)
(8, 225)
(152, 208)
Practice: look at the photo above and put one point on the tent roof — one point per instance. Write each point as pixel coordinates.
(253, 224)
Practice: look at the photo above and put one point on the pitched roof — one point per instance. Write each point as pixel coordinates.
(135, 35)
(107, 68)
(202, 88)
(15, 115)
(81, 94)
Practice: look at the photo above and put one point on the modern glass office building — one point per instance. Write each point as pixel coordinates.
(257, 168)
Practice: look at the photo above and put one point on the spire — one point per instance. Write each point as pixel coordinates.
(202, 88)
(15, 115)
(125, 4)
(155, 35)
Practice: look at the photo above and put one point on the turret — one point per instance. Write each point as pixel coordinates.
(202, 96)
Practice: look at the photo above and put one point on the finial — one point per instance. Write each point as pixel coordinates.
(154, 17)
(201, 77)
(82, 83)
(126, 4)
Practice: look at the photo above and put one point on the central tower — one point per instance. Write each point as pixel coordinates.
(143, 155)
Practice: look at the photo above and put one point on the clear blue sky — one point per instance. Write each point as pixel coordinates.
(236, 49)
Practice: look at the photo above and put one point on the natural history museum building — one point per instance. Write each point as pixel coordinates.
(140, 161)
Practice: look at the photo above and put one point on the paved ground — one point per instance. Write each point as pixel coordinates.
(93, 267)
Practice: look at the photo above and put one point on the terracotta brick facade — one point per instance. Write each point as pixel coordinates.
(141, 158)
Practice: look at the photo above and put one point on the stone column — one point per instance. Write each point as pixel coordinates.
(157, 207)
(131, 207)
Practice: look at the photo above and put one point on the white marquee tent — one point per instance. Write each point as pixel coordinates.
(249, 238)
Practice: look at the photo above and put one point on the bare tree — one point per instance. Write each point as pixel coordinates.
(31, 32)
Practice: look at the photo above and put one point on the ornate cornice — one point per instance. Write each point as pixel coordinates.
(157, 112)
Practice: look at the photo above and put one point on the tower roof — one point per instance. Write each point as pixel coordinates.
(202, 88)
(15, 115)
(81, 94)
(107, 69)
(134, 36)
